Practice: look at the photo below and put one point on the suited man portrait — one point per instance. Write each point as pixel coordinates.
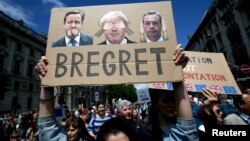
(153, 28)
(114, 25)
(73, 21)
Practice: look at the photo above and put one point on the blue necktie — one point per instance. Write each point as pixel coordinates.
(73, 42)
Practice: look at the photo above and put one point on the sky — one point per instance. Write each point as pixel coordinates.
(36, 13)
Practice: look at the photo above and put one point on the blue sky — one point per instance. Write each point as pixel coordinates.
(36, 13)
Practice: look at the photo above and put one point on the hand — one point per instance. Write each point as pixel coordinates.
(212, 97)
(41, 67)
(179, 56)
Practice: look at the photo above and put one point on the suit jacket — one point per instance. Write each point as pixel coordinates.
(128, 42)
(233, 119)
(84, 40)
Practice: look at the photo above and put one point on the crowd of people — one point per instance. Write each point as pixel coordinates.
(162, 119)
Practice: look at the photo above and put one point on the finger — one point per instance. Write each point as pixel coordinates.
(179, 56)
(179, 59)
(45, 60)
(206, 93)
(176, 51)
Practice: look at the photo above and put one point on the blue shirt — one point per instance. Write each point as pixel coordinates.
(183, 130)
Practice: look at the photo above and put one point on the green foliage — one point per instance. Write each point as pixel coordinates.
(124, 91)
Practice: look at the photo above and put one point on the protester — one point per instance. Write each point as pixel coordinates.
(116, 130)
(242, 116)
(98, 120)
(171, 115)
(195, 110)
(209, 113)
(225, 106)
(76, 130)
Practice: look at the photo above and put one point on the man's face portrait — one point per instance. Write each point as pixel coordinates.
(152, 26)
(73, 25)
(114, 30)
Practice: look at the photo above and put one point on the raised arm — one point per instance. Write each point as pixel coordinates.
(46, 106)
(183, 106)
(49, 129)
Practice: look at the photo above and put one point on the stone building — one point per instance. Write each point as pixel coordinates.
(225, 28)
(20, 50)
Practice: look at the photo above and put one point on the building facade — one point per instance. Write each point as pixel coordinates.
(20, 50)
(225, 28)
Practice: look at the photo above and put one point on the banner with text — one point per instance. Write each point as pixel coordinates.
(90, 59)
(205, 70)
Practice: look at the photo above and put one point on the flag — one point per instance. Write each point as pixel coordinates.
(229, 89)
(200, 87)
(169, 85)
(189, 87)
(216, 88)
(159, 85)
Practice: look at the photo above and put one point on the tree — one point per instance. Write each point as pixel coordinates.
(123, 91)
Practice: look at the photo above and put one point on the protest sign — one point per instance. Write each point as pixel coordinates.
(94, 64)
(205, 70)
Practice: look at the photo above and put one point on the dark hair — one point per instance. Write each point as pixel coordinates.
(152, 13)
(155, 95)
(99, 103)
(77, 122)
(237, 99)
(75, 12)
(115, 126)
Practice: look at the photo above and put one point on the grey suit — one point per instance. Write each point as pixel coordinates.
(84, 40)
(233, 119)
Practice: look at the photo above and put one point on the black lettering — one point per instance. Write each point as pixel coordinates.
(74, 63)
(124, 57)
(60, 65)
(138, 62)
(89, 74)
(157, 52)
(112, 66)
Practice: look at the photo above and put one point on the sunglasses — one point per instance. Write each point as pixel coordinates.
(218, 111)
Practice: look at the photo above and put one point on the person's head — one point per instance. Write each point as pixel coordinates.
(191, 99)
(152, 25)
(217, 112)
(163, 101)
(8, 116)
(222, 98)
(73, 21)
(115, 130)
(114, 24)
(242, 103)
(248, 90)
(100, 109)
(75, 128)
(125, 109)
(135, 114)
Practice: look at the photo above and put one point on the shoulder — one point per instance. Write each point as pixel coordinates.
(129, 41)
(233, 119)
(59, 43)
(86, 36)
(103, 43)
(86, 39)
